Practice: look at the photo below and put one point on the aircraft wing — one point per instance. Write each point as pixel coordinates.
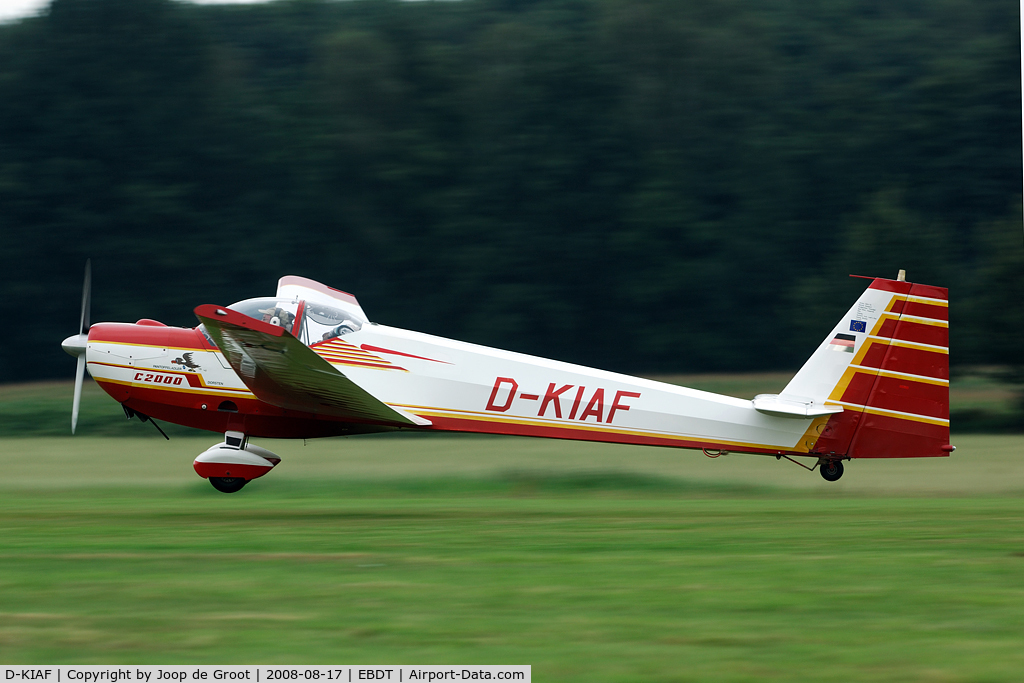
(282, 371)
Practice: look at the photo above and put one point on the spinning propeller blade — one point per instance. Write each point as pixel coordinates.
(76, 344)
(83, 323)
(79, 376)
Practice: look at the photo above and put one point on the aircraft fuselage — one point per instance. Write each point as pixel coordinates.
(455, 385)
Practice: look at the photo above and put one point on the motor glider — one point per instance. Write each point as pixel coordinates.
(308, 363)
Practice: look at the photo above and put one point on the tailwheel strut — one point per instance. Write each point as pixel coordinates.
(831, 469)
(796, 462)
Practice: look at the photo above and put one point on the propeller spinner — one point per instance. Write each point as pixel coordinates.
(76, 343)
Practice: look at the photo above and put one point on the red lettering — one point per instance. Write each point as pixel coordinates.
(576, 403)
(491, 405)
(177, 381)
(618, 406)
(138, 376)
(149, 377)
(552, 396)
(595, 407)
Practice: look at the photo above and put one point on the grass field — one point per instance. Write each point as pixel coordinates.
(591, 562)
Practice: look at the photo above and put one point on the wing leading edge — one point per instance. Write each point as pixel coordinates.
(282, 371)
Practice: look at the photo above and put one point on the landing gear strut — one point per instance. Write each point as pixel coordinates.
(831, 470)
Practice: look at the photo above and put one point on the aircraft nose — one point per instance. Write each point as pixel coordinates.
(75, 344)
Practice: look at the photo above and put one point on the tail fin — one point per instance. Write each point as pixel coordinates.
(887, 365)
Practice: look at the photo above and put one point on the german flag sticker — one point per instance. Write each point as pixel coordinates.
(842, 342)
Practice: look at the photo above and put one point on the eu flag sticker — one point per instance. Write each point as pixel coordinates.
(858, 326)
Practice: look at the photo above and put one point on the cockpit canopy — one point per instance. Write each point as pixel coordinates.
(308, 321)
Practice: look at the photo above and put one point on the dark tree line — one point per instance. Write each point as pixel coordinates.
(642, 185)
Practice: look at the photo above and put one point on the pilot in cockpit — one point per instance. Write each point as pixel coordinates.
(278, 316)
(344, 328)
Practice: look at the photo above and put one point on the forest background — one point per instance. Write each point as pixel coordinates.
(645, 186)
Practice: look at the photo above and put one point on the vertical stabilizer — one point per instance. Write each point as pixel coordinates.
(887, 365)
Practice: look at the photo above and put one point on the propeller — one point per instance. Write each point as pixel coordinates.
(75, 345)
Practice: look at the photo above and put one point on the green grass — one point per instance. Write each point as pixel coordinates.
(44, 409)
(983, 390)
(591, 562)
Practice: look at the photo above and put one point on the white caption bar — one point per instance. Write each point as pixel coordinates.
(344, 673)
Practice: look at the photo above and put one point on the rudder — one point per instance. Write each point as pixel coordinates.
(906, 414)
(887, 365)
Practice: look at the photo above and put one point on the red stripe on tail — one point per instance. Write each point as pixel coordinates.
(908, 396)
(923, 310)
(921, 333)
(919, 432)
(883, 436)
(907, 359)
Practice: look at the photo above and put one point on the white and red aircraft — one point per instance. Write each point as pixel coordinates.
(308, 363)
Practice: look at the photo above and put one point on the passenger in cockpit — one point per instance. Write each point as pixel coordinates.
(344, 328)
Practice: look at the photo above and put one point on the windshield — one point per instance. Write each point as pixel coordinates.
(309, 321)
(270, 310)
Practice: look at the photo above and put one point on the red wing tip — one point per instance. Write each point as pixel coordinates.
(948, 448)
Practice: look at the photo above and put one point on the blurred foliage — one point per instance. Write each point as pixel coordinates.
(640, 185)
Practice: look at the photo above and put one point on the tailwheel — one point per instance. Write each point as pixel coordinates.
(831, 470)
(228, 484)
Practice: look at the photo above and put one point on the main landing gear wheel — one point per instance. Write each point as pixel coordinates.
(830, 470)
(228, 484)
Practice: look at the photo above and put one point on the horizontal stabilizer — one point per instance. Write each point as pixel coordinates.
(282, 371)
(791, 406)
